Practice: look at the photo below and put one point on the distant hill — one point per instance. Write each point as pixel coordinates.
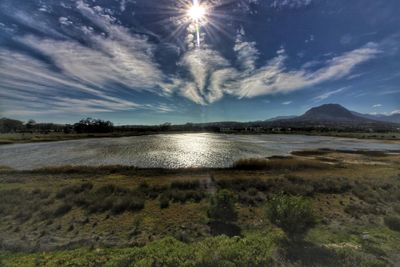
(332, 116)
(394, 118)
(329, 112)
(281, 118)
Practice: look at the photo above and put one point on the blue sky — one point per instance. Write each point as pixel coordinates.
(138, 61)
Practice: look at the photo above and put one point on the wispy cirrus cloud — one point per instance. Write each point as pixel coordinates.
(218, 77)
(329, 94)
(78, 77)
(85, 74)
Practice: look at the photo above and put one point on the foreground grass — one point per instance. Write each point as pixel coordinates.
(217, 251)
(122, 216)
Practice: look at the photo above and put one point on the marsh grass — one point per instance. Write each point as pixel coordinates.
(348, 201)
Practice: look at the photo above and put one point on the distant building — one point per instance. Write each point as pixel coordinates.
(225, 129)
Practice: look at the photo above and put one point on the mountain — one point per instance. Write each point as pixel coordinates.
(329, 112)
(394, 118)
(333, 116)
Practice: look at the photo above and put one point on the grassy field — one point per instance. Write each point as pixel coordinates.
(122, 216)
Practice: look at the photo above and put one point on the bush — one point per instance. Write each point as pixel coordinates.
(62, 209)
(164, 201)
(74, 189)
(255, 250)
(151, 192)
(243, 184)
(120, 205)
(366, 193)
(106, 190)
(222, 207)
(293, 214)
(393, 222)
(184, 195)
(185, 185)
(136, 204)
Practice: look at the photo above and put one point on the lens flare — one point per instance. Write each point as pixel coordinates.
(197, 14)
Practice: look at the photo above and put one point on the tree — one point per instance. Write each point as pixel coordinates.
(90, 125)
(30, 124)
(293, 214)
(9, 125)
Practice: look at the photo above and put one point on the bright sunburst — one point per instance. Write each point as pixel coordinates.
(196, 12)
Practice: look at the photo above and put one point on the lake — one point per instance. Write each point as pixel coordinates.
(171, 150)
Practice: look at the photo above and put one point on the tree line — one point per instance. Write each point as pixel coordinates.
(88, 125)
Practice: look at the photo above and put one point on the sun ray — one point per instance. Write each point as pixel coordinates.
(197, 14)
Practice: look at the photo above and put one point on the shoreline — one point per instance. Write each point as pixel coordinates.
(245, 164)
(10, 139)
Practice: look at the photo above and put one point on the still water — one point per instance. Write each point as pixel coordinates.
(171, 150)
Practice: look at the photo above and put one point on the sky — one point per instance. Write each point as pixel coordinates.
(152, 61)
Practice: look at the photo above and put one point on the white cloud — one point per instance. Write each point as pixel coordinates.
(208, 71)
(287, 102)
(64, 21)
(247, 53)
(377, 106)
(80, 76)
(213, 76)
(329, 94)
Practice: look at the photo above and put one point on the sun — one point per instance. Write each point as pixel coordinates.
(196, 12)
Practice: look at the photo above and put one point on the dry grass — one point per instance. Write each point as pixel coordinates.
(172, 206)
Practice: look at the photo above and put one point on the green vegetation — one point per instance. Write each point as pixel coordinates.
(346, 214)
(218, 251)
(222, 207)
(393, 222)
(293, 214)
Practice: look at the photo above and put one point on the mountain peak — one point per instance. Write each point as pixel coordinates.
(328, 112)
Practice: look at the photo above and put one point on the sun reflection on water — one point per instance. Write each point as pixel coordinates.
(192, 150)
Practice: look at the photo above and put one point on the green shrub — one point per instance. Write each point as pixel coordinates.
(393, 222)
(185, 195)
(293, 214)
(222, 207)
(366, 193)
(251, 197)
(256, 250)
